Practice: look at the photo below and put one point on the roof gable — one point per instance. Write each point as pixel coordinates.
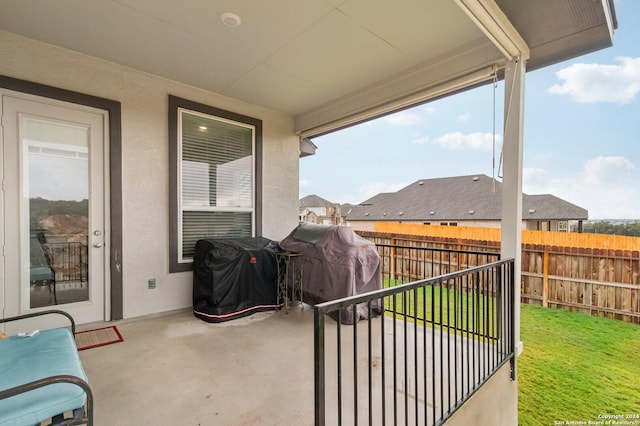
(313, 201)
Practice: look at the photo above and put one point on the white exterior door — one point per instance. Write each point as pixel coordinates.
(54, 230)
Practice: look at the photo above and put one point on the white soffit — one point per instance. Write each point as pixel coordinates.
(326, 63)
(496, 26)
(445, 77)
(317, 124)
(470, 65)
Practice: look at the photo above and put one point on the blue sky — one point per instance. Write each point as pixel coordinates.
(581, 135)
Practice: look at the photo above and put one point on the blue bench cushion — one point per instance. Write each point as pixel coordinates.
(25, 359)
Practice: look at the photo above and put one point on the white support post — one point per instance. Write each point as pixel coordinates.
(511, 244)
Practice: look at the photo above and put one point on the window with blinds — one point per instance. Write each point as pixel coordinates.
(216, 179)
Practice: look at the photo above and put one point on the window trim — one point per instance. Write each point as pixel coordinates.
(177, 104)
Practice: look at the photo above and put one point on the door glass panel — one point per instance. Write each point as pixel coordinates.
(56, 185)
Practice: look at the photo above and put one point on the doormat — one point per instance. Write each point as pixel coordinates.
(97, 337)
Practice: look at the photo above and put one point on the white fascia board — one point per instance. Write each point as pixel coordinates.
(496, 26)
(606, 7)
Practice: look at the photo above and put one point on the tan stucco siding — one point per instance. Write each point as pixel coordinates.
(495, 403)
(145, 177)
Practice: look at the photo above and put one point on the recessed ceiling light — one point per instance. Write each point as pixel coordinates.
(202, 128)
(231, 20)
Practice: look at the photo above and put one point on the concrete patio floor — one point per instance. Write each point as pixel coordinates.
(175, 369)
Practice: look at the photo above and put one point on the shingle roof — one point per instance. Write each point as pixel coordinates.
(459, 198)
(313, 201)
(346, 208)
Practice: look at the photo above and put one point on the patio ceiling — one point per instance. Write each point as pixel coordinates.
(328, 63)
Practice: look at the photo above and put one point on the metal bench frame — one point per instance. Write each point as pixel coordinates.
(80, 416)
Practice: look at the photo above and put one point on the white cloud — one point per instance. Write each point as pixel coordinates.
(463, 118)
(590, 83)
(403, 118)
(603, 187)
(421, 139)
(428, 110)
(534, 177)
(303, 186)
(607, 170)
(408, 117)
(374, 188)
(472, 141)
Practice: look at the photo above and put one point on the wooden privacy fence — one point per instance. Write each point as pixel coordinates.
(604, 282)
(404, 260)
(590, 273)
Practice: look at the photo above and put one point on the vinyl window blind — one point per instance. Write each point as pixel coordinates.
(216, 179)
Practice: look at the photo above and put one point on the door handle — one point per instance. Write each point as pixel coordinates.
(97, 245)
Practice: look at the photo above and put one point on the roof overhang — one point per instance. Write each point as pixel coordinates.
(496, 26)
(327, 63)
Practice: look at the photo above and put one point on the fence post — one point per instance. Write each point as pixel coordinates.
(392, 261)
(545, 278)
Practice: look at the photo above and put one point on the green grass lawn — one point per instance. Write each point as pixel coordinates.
(446, 307)
(576, 367)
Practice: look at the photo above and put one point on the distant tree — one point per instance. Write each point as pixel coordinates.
(605, 227)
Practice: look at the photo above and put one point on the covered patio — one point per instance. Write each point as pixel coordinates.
(289, 366)
(132, 72)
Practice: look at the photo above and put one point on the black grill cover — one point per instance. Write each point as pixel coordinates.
(233, 278)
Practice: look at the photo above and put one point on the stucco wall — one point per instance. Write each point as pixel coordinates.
(495, 404)
(143, 98)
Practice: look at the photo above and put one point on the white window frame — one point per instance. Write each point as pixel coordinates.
(177, 107)
(182, 208)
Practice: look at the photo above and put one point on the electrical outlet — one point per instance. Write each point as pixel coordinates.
(152, 283)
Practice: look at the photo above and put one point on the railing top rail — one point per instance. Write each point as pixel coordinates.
(334, 305)
(474, 252)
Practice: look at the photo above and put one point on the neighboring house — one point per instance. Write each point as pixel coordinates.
(314, 209)
(473, 200)
(309, 216)
(183, 120)
(345, 209)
